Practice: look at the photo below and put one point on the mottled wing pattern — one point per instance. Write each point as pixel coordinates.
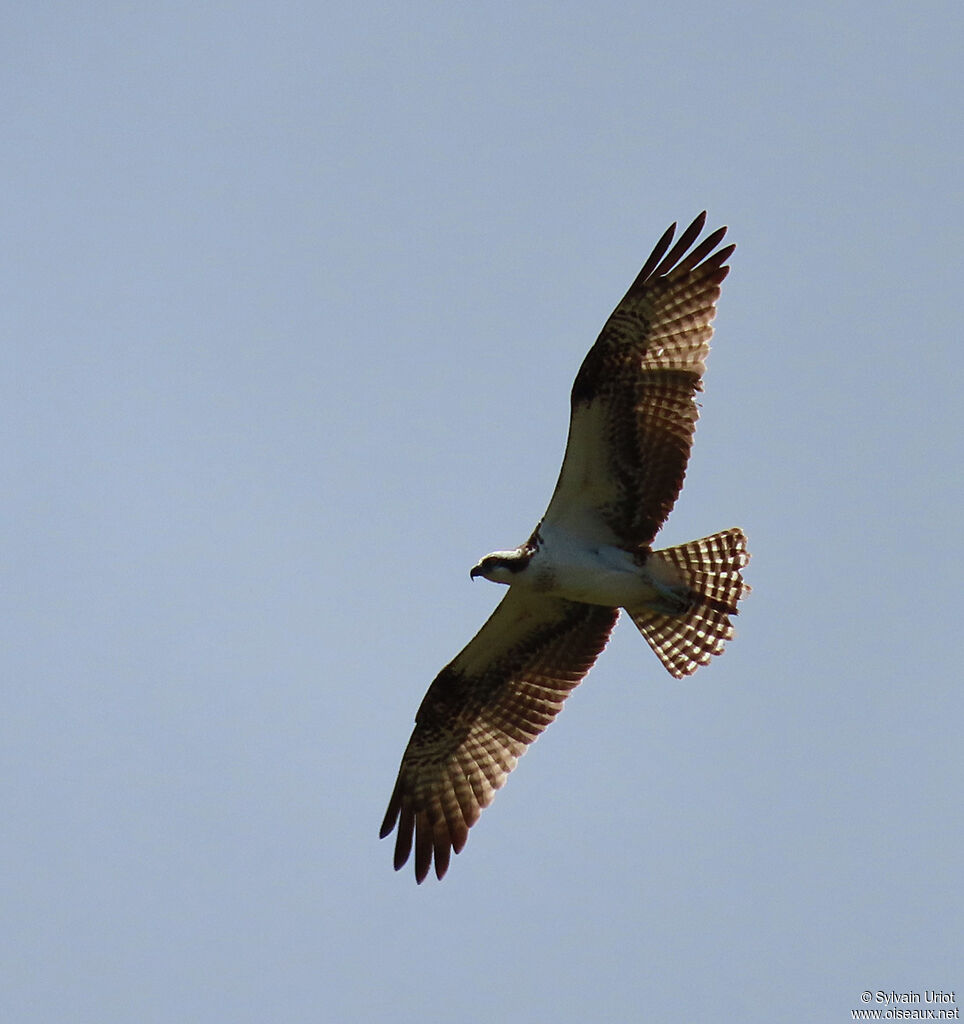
(634, 404)
(481, 713)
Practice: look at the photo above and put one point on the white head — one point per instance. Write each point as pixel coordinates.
(502, 566)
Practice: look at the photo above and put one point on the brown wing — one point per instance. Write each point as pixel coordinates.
(481, 713)
(634, 399)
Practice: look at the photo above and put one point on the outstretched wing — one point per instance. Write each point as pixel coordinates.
(634, 404)
(481, 713)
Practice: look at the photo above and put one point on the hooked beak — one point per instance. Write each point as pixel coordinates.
(475, 571)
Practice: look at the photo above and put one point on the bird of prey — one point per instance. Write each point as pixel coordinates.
(633, 413)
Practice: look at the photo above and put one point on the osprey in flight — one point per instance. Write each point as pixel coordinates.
(632, 419)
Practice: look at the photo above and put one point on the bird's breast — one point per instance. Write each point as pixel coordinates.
(598, 574)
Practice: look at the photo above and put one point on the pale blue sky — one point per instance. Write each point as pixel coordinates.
(292, 299)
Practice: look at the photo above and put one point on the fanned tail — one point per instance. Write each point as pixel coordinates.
(711, 568)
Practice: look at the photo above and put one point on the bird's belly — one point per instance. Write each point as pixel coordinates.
(605, 576)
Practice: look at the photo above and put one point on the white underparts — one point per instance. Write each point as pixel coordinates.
(602, 574)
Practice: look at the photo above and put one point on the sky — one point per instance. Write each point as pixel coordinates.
(292, 296)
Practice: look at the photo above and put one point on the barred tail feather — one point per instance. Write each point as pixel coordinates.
(711, 568)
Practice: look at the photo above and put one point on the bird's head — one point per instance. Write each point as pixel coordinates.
(501, 566)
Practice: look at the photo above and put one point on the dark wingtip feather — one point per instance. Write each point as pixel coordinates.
(443, 852)
(663, 259)
(391, 815)
(403, 842)
(423, 851)
(656, 255)
(719, 258)
(686, 239)
(701, 251)
(459, 839)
